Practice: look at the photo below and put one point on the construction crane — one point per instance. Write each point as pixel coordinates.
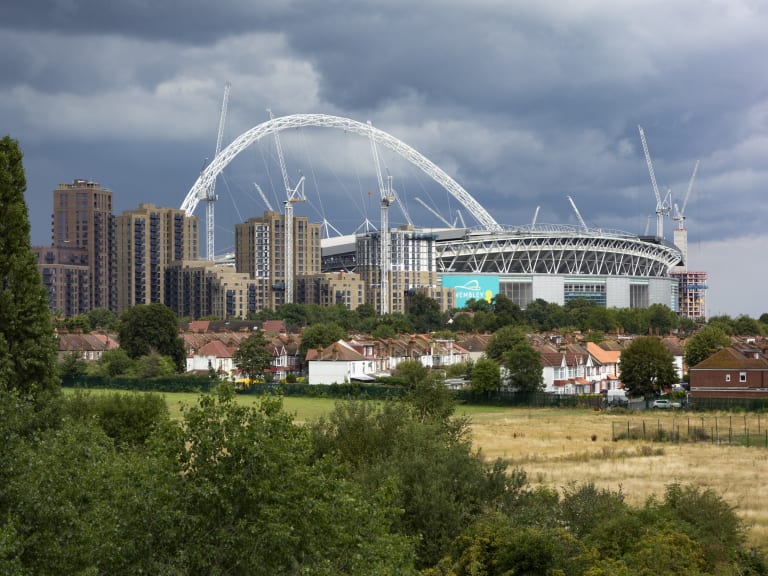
(387, 198)
(210, 194)
(292, 195)
(679, 213)
(392, 191)
(434, 212)
(578, 215)
(264, 197)
(663, 206)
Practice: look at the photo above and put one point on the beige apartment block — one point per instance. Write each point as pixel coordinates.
(82, 219)
(260, 252)
(147, 240)
(331, 288)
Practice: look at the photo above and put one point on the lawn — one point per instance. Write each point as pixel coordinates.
(560, 446)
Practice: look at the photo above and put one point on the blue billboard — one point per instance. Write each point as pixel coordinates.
(477, 287)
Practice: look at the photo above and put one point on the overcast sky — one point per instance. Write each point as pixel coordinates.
(522, 103)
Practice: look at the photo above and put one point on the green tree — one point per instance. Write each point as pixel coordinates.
(486, 376)
(746, 326)
(724, 322)
(295, 315)
(442, 483)
(27, 348)
(412, 372)
(152, 328)
(461, 322)
(253, 357)
(523, 369)
(77, 324)
(578, 311)
(504, 339)
(383, 332)
(400, 323)
(154, 365)
(113, 363)
(507, 312)
(101, 318)
(320, 336)
(72, 365)
(259, 502)
(424, 312)
(661, 319)
(646, 367)
(703, 344)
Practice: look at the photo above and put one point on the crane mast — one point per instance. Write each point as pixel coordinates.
(387, 198)
(662, 206)
(292, 195)
(210, 195)
(680, 213)
(386, 254)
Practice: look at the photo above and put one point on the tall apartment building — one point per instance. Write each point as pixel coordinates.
(82, 219)
(331, 289)
(198, 288)
(147, 240)
(66, 277)
(412, 269)
(260, 253)
(692, 286)
(692, 294)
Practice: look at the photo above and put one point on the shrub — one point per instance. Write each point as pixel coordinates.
(126, 418)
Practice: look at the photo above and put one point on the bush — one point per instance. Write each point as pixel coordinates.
(126, 418)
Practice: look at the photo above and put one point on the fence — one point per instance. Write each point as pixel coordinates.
(746, 430)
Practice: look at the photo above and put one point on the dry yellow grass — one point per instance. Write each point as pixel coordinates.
(556, 447)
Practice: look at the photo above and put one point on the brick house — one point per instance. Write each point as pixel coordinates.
(731, 373)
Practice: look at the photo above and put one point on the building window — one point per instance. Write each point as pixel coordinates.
(742, 376)
(727, 377)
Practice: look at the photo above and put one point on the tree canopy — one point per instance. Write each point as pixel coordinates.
(704, 343)
(253, 357)
(27, 349)
(151, 328)
(647, 367)
(523, 371)
(320, 336)
(486, 376)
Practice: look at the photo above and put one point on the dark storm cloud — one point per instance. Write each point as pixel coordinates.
(186, 21)
(523, 103)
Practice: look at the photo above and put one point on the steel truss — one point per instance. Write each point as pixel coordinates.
(569, 253)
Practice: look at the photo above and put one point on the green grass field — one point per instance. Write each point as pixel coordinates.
(303, 409)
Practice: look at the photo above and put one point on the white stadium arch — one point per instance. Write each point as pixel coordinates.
(207, 177)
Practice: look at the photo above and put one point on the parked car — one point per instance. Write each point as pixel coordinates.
(664, 404)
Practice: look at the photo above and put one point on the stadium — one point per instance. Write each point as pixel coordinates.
(556, 263)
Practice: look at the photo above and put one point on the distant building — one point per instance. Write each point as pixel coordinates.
(67, 279)
(412, 269)
(331, 288)
(200, 288)
(260, 253)
(692, 294)
(147, 240)
(731, 373)
(77, 268)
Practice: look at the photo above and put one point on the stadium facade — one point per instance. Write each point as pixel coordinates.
(553, 263)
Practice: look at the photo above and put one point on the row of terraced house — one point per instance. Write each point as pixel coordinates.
(569, 366)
